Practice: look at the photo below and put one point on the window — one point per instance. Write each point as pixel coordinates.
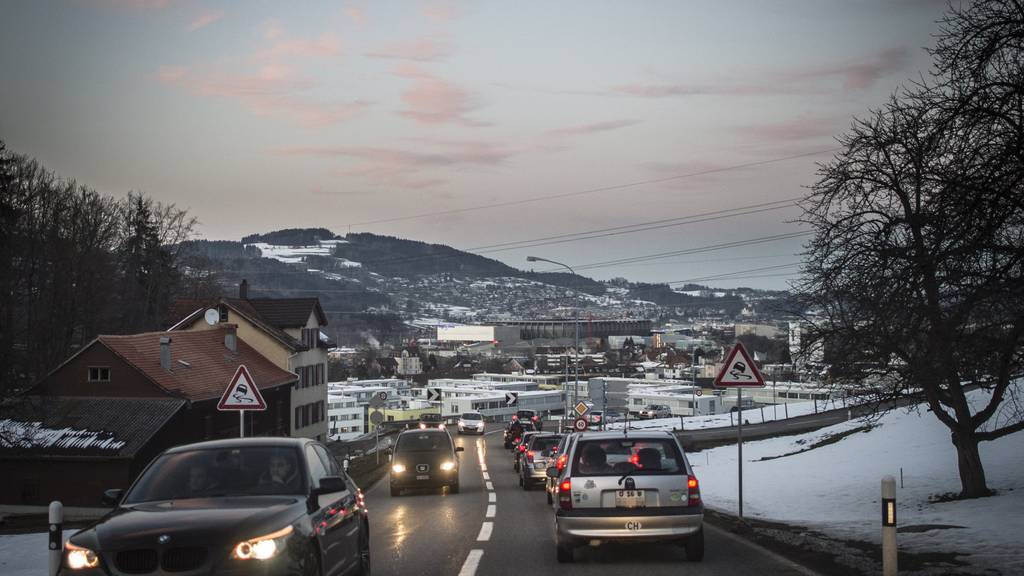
(317, 470)
(223, 313)
(310, 337)
(298, 416)
(99, 374)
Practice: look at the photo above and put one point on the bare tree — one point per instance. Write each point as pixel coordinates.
(915, 274)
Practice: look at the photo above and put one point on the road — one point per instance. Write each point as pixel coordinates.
(493, 527)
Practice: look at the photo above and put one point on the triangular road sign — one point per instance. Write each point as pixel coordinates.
(739, 370)
(242, 393)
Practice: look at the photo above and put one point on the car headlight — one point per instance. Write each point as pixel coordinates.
(447, 466)
(441, 426)
(262, 547)
(398, 468)
(77, 557)
(423, 426)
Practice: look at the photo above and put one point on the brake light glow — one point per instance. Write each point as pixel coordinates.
(693, 489)
(522, 447)
(560, 463)
(529, 455)
(565, 494)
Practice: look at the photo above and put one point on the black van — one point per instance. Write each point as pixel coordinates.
(425, 459)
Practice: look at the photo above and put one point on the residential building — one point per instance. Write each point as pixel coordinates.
(285, 330)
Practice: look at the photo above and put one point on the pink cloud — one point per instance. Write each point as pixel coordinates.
(434, 100)
(404, 168)
(419, 50)
(441, 11)
(205, 19)
(326, 46)
(358, 15)
(137, 4)
(272, 30)
(272, 91)
(859, 74)
(592, 128)
(794, 129)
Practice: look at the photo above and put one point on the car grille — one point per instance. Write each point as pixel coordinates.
(183, 559)
(136, 561)
(145, 561)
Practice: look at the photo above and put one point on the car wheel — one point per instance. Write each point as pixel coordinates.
(564, 554)
(550, 499)
(364, 551)
(695, 546)
(396, 491)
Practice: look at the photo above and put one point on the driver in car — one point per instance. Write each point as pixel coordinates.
(281, 476)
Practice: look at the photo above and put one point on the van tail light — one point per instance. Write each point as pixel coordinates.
(560, 463)
(693, 489)
(529, 455)
(565, 494)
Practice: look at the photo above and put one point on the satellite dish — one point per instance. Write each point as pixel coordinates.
(212, 316)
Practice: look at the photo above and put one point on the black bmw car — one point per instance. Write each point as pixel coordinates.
(244, 506)
(425, 459)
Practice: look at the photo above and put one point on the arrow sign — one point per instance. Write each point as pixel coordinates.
(511, 398)
(241, 393)
(739, 370)
(433, 394)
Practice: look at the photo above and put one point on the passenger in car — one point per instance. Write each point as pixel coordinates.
(200, 481)
(594, 460)
(648, 459)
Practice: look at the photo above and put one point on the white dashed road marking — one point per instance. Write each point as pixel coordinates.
(487, 476)
(490, 486)
(485, 532)
(492, 497)
(472, 563)
(492, 509)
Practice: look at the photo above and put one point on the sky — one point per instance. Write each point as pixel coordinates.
(482, 125)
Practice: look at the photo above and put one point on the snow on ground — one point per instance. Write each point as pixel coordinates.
(297, 254)
(723, 420)
(836, 488)
(25, 554)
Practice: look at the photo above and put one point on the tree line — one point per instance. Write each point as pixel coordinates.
(76, 263)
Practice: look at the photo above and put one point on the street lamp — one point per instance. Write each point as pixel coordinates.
(576, 352)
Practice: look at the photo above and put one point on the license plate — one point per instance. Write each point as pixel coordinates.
(423, 477)
(630, 499)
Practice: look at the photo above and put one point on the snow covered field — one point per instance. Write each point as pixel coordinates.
(722, 420)
(836, 488)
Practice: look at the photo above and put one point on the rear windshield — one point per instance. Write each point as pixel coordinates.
(423, 442)
(430, 417)
(545, 444)
(472, 416)
(626, 455)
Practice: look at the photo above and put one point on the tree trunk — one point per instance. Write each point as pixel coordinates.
(972, 473)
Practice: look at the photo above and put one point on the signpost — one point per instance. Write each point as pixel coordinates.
(580, 424)
(241, 395)
(739, 372)
(433, 394)
(511, 398)
(581, 408)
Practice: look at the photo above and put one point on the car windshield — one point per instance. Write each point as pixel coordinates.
(472, 416)
(423, 442)
(430, 417)
(626, 455)
(245, 471)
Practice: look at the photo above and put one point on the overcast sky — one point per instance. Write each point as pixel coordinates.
(352, 115)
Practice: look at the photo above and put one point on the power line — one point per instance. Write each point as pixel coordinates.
(591, 190)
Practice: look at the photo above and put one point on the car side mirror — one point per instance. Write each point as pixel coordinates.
(113, 496)
(344, 464)
(330, 484)
(552, 472)
(460, 449)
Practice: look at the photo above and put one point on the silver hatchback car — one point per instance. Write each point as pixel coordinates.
(627, 487)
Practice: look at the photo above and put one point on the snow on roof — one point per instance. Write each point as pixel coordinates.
(14, 434)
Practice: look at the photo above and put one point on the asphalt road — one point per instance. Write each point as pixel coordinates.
(493, 527)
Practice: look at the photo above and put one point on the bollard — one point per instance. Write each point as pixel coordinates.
(56, 536)
(889, 551)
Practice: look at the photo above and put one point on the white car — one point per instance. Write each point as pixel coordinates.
(471, 423)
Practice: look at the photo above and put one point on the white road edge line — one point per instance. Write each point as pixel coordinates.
(485, 532)
(472, 563)
(487, 476)
(490, 486)
(774, 555)
(492, 497)
(492, 509)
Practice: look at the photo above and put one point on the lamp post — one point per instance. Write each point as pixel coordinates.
(576, 352)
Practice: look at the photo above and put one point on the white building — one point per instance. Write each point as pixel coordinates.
(498, 335)
(680, 402)
(539, 379)
(408, 365)
(816, 355)
(345, 417)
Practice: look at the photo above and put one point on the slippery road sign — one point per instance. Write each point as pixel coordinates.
(242, 393)
(739, 370)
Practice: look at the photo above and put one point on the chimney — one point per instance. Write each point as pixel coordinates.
(243, 289)
(231, 336)
(165, 353)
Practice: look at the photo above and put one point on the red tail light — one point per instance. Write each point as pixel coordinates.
(565, 494)
(560, 463)
(693, 488)
(529, 455)
(535, 418)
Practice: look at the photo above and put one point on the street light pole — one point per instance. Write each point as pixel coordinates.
(576, 352)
